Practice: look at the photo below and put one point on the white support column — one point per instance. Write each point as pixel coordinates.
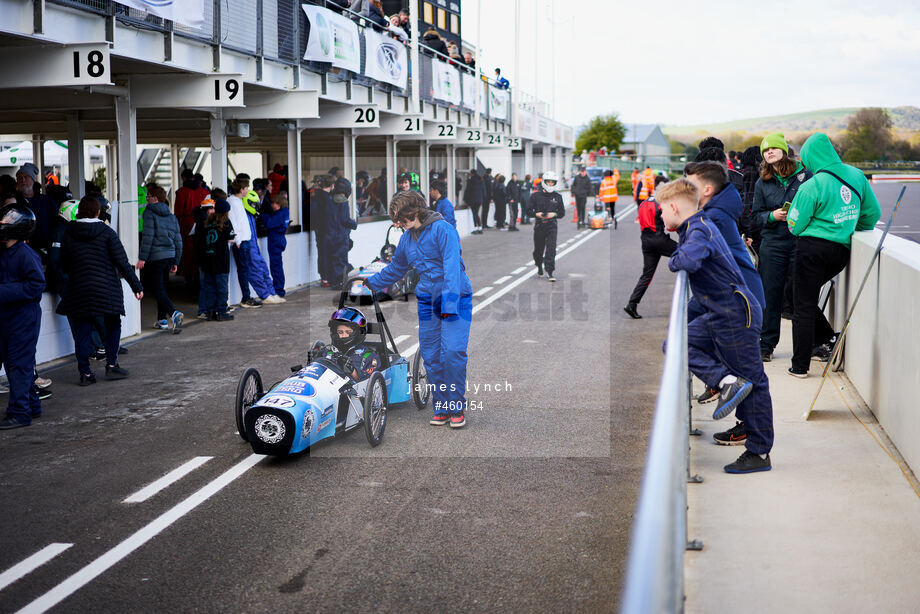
(218, 152)
(413, 55)
(111, 172)
(391, 165)
(528, 160)
(126, 124)
(348, 154)
(295, 172)
(452, 174)
(75, 159)
(38, 155)
(424, 174)
(175, 176)
(473, 159)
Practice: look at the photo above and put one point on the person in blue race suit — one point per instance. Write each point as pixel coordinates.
(440, 203)
(445, 300)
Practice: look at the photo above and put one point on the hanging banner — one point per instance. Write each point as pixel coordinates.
(445, 82)
(386, 59)
(187, 12)
(472, 92)
(498, 103)
(333, 38)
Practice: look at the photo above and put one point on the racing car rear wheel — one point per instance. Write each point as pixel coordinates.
(248, 392)
(375, 408)
(420, 390)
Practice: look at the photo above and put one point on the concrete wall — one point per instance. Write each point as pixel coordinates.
(882, 355)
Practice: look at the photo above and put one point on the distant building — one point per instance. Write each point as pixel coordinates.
(648, 143)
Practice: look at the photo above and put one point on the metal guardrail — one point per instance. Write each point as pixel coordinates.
(655, 575)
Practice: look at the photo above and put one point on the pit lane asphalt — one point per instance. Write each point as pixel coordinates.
(527, 508)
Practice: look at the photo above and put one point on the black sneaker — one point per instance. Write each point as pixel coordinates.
(513, 229)
(10, 423)
(707, 396)
(223, 317)
(115, 372)
(550, 276)
(44, 393)
(734, 436)
(799, 373)
(87, 379)
(749, 462)
(822, 353)
(98, 354)
(766, 355)
(731, 396)
(539, 271)
(251, 303)
(631, 310)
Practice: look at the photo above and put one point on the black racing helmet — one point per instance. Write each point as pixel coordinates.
(353, 318)
(16, 222)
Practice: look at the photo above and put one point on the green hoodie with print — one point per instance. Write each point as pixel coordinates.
(825, 207)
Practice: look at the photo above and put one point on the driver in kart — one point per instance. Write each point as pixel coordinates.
(348, 328)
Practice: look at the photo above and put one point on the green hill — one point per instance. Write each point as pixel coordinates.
(905, 119)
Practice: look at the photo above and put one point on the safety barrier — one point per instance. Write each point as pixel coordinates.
(655, 576)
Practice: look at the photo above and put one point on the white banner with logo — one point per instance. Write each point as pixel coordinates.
(445, 81)
(187, 12)
(498, 103)
(386, 59)
(473, 92)
(333, 38)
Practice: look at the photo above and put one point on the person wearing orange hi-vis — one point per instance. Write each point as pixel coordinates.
(635, 184)
(648, 178)
(607, 193)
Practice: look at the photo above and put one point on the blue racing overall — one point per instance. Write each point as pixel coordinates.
(445, 306)
(725, 339)
(21, 286)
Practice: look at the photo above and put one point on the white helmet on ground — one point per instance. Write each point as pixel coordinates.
(550, 176)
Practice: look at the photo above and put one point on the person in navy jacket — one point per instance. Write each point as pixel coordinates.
(440, 203)
(445, 300)
(337, 235)
(721, 203)
(21, 285)
(276, 220)
(724, 341)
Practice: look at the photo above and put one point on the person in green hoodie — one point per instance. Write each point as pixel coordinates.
(780, 179)
(824, 214)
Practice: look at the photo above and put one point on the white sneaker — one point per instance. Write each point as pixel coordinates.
(4, 389)
(273, 299)
(43, 382)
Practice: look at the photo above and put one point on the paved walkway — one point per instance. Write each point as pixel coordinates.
(834, 527)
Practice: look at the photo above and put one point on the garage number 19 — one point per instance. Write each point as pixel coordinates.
(231, 86)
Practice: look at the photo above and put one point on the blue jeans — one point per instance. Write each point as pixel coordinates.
(214, 292)
(241, 256)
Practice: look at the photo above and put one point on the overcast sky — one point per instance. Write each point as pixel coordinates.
(679, 62)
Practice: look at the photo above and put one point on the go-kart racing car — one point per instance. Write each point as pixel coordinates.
(321, 400)
(600, 217)
(361, 294)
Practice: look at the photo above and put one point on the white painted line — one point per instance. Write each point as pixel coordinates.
(526, 276)
(520, 269)
(482, 291)
(33, 562)
(622, 214)
(412, 350)
(173, 476)
(138, 539)
(501, 280)
(400, 339)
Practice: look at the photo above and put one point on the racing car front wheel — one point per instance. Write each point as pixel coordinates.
(375, 408)
(248, 392)
(420, 390)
